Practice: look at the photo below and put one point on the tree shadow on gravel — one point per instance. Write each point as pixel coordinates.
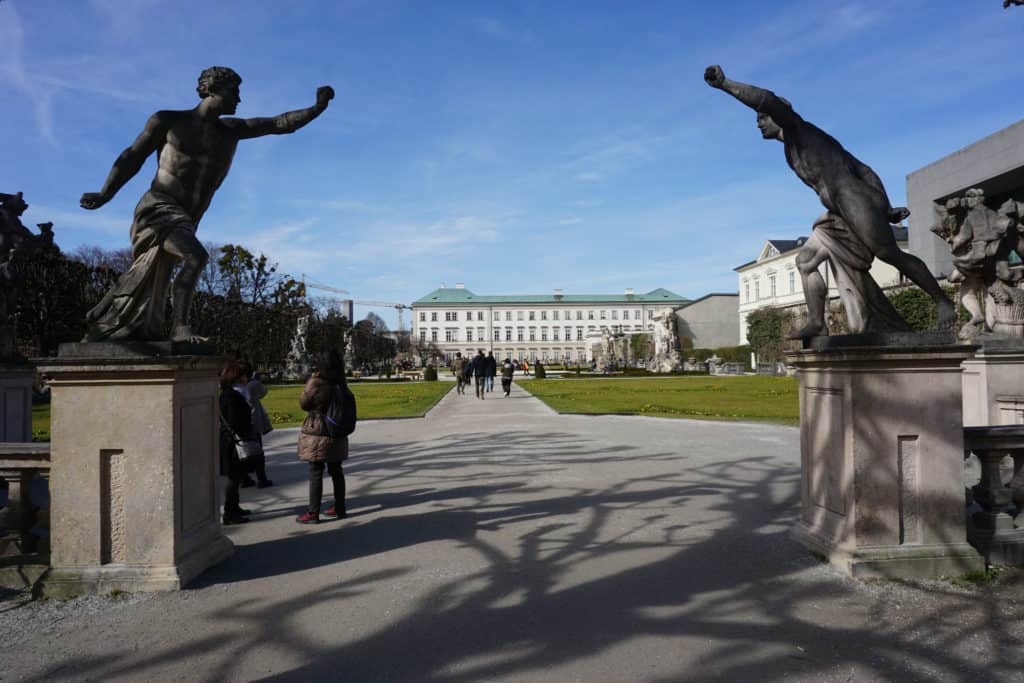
(592, 569)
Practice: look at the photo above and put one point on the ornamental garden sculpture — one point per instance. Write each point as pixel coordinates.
(855, 228)
(194, 150)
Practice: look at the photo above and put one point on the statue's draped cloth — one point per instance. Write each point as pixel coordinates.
(867, 307)
(136, 308)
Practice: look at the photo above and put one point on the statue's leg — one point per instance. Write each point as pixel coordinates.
(867, 215)
(808, 260)
(183, 244)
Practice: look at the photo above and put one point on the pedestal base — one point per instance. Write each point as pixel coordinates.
(993, 383)
(881, 442)
(16, 401)
(134, 472)
(66, 582)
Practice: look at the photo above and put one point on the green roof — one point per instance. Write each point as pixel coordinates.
(460, 295)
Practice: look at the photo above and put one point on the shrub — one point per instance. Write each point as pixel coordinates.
(430, 374)
(538, 371)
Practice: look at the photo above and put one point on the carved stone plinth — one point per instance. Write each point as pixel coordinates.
(881, 441)
(993, 382)
(134, 467)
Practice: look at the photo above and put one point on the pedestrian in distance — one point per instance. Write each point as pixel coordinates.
(236, 439)
(459, 370)
(490, 371)
(323, 438)
(507, 370)
(480, 372)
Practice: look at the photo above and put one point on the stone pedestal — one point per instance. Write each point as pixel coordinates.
(15, 401)
(993, 383)
(881, 441)
(134, 469)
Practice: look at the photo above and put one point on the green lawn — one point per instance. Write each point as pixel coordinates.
(753, 398)
(405, 399)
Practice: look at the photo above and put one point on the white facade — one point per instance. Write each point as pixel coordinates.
(773, 279)
(552, 328)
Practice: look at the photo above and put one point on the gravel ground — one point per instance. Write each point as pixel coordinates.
(496, 541)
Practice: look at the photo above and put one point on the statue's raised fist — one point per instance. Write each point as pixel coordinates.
(714, 76)
(92, 200)
(324, 94)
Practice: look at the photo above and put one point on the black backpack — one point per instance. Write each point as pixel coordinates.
(340, 416)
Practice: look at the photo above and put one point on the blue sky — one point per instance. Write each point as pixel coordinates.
(513, 146)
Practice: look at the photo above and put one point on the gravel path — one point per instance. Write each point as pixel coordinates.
(497, 541)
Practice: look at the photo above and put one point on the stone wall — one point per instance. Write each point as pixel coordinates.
(711, 321)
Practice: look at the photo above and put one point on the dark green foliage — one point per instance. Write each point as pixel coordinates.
(767, 329)
(430, 374)
(728, 354)
(918, 309)
(640, 346)
(538, 371)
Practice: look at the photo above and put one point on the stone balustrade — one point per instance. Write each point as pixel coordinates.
(25, 514)
(991, 524)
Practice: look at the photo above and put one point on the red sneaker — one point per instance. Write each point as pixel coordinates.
(308, 518)
(333, 512)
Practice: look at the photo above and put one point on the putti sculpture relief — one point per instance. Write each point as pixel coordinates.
(981, 240)
(855, 228)
(194, 151)
(16, 242)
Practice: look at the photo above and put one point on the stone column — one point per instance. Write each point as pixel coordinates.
(134, 468)
(882, 449)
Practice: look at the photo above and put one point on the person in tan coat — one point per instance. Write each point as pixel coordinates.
(315, 447)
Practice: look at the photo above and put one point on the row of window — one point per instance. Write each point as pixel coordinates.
(603, 314)
(772, 287)
(544, 355)
(451, 334)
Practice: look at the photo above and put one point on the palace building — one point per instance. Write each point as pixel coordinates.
(554, 328)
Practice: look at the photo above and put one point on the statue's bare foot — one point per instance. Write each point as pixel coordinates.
(809, 330)
(184, 333)
(947, 315)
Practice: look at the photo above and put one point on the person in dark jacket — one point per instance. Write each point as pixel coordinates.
(479, 372)
(315, 447)
(490, 370)
(236, 425)
(507, 370)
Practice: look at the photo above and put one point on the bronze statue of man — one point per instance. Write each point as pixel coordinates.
(856, 227)
(194, 151)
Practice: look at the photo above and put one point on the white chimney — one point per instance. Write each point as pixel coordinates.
(558, 292)
(459, 285)
(629, 291)
(443, 285)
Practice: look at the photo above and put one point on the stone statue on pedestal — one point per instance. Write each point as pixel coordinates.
(298, 362)
(16, 242)
(855, 228)
(194, 150)
(981, 240)
(666, 343)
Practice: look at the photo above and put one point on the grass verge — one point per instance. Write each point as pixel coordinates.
(375, 401)
(748, 398)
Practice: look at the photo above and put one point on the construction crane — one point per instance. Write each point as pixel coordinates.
(401, 308)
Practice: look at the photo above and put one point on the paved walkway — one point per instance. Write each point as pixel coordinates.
(497, 541)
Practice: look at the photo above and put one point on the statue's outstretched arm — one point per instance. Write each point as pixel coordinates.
(289, 122)
(758, 99)
(129, 162)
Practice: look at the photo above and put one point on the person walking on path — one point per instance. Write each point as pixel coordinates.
(315, 445)
(507, 370)
(526, 367)
(479, 372)
(459, 370)
(252, 391)
(235, 429)
(490, 371)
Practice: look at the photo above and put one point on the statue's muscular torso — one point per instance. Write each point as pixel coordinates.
(193, 158)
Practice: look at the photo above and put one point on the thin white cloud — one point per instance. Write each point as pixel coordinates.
(493, 28)
(65, 220)
(570, 220)
(13, 72)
